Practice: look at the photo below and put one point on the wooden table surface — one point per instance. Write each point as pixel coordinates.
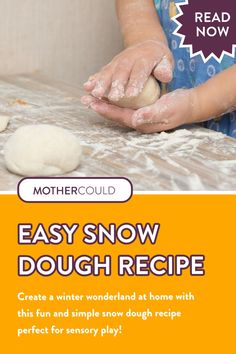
(184, 160)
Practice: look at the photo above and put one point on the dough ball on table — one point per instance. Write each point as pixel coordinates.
(150, 94)
(42, 150)
(4, 120)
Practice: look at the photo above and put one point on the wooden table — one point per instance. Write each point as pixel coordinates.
(184, 160)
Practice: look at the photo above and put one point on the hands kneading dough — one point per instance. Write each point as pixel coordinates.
(42, 150)
(123, 110)
(149, 95)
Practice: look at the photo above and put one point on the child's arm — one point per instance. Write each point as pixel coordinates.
(217, 96)
(139, 22)
(146, 52)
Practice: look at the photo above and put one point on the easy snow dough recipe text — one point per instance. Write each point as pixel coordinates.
(86, 265)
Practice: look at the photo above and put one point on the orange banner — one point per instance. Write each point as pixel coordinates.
(148, 307)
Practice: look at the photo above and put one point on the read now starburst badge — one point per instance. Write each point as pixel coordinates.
(207, 27)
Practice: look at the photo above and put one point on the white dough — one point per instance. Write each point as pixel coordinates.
(42, 150)
(150, 94)
(4, 120)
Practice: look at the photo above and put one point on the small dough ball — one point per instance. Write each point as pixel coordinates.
(42, 150)
(150, 94)
(4, 120)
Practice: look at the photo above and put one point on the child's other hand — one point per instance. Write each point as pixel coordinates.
(128, 72)
(170, 111)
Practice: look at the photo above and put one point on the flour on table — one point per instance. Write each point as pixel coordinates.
(4, 120)
(185, 160)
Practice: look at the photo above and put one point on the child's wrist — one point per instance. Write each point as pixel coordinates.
(198, 108)
(206, 105)
(194, 110)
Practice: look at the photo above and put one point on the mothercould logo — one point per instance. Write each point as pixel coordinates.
(207, 27)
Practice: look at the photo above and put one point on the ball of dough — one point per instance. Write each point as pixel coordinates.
(42, 150)
(4, 120)
(149, 95)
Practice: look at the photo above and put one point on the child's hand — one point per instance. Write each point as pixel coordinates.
(170, 111)
(128, 72)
